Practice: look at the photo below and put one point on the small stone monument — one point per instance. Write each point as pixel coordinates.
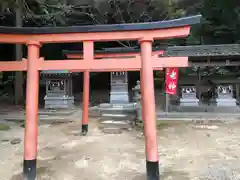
(119, 88)
(225, 96)
(189, 96)
(58, 90)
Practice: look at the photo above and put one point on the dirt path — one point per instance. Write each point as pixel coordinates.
(186, 152)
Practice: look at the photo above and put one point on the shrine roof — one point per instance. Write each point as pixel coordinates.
(112, 50)
(103, 28)
(207, 55)
(221, 50)
(199, 55)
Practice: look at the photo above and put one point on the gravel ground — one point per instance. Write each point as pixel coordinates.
(186, 152)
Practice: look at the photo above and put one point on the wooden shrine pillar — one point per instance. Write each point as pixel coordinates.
(88, 55)
(86, 79)
(150, 130)
(31, 124)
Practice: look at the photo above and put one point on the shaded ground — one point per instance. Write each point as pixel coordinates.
(186, 151)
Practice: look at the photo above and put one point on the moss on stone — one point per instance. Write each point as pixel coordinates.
(4, 127)
(41, 170)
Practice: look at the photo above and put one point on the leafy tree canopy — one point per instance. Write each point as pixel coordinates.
(221, 21)
(37, 12)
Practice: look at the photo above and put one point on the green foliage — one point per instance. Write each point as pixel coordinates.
(220, 25)
(48, 12)
(220, 22)
(38, 12)
(4, 127)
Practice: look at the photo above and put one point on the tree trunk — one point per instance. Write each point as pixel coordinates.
(18, 92)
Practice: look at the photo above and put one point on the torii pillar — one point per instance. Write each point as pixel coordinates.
(148, 101)
(31, 125)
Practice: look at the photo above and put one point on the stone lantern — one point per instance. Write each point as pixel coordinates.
(137, 99)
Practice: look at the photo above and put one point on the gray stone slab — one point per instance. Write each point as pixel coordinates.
(116, 124)
(119, 98)
(118, 111)
(118, 117)
(59, 102)
(62, 112)
(112, 130)
(120, 105)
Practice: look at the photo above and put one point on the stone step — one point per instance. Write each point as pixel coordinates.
(117, 117)
(94, 113)
(107, 105)
(118, 111)
(116, 124)
(112, 130)
(57, 112)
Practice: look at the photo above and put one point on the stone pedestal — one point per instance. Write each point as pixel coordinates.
(59, 92)
(60, 102)
(225, 96)
(189, 96)
(119, 88)
(119, 114)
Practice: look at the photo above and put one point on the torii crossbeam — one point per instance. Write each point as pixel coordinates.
(145, 33)
(158, 63)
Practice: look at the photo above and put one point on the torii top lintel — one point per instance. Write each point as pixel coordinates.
(151, 30)
(90, 34)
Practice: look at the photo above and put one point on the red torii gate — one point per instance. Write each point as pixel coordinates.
(145, 33)
(158, 64)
